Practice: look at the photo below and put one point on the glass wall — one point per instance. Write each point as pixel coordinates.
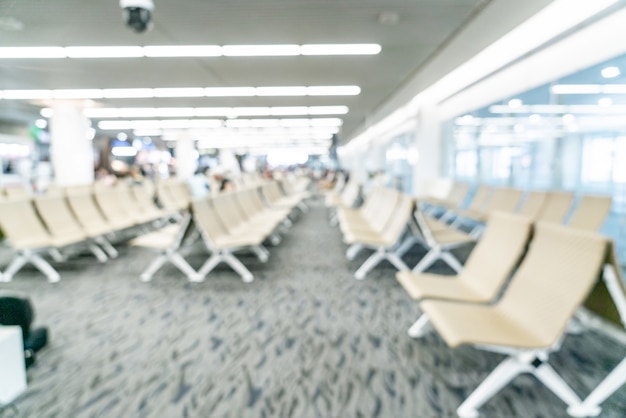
(566, 135)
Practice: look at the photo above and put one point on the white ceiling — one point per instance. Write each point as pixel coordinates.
(423, 27)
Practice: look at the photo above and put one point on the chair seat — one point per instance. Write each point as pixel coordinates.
(480, 324)
(426, 285)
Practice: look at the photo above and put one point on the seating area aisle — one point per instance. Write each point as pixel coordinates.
(304, 339)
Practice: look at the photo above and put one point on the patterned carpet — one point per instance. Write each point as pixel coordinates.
(303, 340)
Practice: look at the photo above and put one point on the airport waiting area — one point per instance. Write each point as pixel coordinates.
(296, 298)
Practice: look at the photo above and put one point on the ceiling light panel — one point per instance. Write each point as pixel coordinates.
(32, 52)
(104, 51)
(260, 50)
(340, 49)
(165, 51)
(182, 51)
(188, 112)
(132, 93)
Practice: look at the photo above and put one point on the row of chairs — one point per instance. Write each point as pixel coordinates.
(70, 219)
(226, 224)
(589, 212)
(520, 286)
(515, 295)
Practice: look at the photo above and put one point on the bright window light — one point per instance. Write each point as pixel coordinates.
(260, 50)
(33, 52)
(124, 151)
(610, 72)
(346, 49)
(182, 51)
(286, 157)
(576, 89)
(46, 112)
(589, 89)
(104, 51)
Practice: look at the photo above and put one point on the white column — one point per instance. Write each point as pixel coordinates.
(71, 152)
(428, 141)
(186, 156)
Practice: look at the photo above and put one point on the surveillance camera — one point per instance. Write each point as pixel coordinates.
(138, 14)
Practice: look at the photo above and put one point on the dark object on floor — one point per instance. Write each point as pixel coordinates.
(18, 310)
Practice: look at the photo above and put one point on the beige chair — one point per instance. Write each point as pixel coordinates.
(372, 216)
(61, 222)
(230, 214)
(168, 241)
(83, 206)
(222, 244)
(438, 241)
(486, 270)
(384, 241)
(590, 212)
(503, 199)
(528, 322)
(250, 202)
(478, 202)
(532, 204)
(555, 207)
(455, 198)
(608, 300)
(107, 198)
(29, 237)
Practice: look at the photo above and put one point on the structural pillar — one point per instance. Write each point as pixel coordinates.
(186, 156)
(71, 151)
(428, 143)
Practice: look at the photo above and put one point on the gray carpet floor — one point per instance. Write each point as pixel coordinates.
(305, 339)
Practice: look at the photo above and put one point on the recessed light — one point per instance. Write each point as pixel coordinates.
(515, 103)
(610, 72)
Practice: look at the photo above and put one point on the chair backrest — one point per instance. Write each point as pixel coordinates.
(386, 203)
(457, 194)
(206, 219)
(226, 211)
(531, 207)
(58, 217)
(591, 212)
(555, 277)
(88, 214)
(165, 197)
(350, 193)
(399, 218)
(503, 199)
(497, 253)
(21, 224)
(480, 199)
(180, 193)
(555, 207)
